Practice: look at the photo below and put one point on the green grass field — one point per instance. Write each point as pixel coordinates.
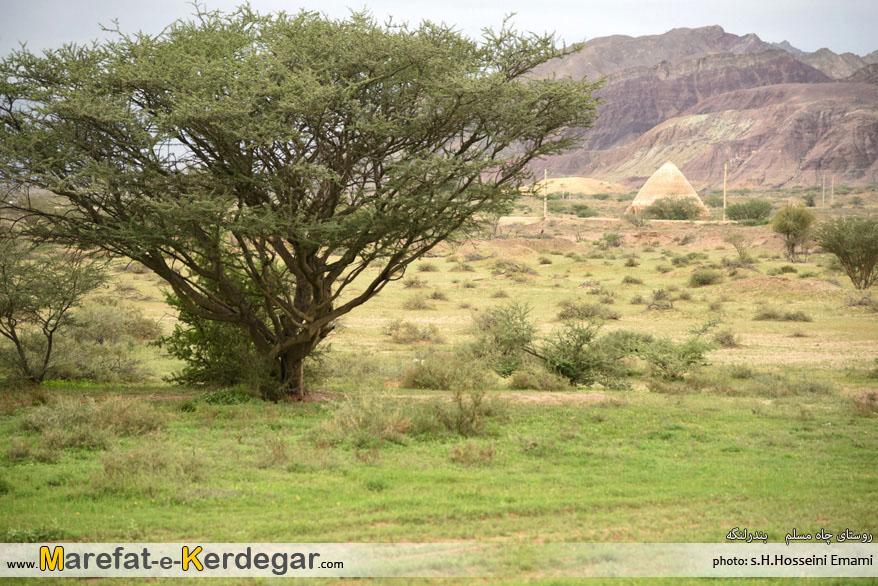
(776, 432)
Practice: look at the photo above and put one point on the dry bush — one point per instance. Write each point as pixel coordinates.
(471, 454)
(274, 452)
(535, 377)
(403, 332)
(726, 338)
(770, 314)
(866, 405)
(416, 302)
(577, 310)
(148, 469)
(118, 416)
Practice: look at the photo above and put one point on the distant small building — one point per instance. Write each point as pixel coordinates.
(669, 182)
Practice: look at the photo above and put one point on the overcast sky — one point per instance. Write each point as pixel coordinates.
(841, 25)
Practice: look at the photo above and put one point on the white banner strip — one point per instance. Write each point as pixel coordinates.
(465, 559)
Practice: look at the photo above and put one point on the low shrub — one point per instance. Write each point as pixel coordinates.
(770, 314)
(673, 208)
(511, 267)
(149, 470)
(78, 418)
(726, 338)
(226, 396)
(445, 371)
(629, 280)
(577, 310)
(416, 303)
(403, 332)
(752, 209)
(471, 454)
(704, 277)
(533, 376)
(414, 283)
(866, 405)
(660, 300)
(670, 360)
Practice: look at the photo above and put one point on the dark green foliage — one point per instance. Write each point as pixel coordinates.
(854, 242)
(673, 360)
(704, 277)
(568, 352)
(259, 164)
(610, 240)
(794, 224)
(214, 352)
(226, 396)
(582, 210)
(752, 209)
(673, 208)
(503, 334)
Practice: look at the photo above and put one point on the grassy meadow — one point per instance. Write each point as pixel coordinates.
(778, 429)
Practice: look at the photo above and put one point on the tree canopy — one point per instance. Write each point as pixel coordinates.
(260, 164)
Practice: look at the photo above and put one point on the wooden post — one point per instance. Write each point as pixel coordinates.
(824, 191)
(725, 176)
(832, 190)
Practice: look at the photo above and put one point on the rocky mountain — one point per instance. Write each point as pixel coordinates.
(773, 135)
(868, 74)
(704, 97)
(637, 99)
(606, 55)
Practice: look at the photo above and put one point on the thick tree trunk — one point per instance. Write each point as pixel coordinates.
(292, 372)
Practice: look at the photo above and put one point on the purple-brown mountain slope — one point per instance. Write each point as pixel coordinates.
(655, 83)
(868, 74)
(774, 135)
(835, 65)
(606, 55)
(635, 100)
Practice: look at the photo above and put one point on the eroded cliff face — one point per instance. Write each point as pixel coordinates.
(704, 97)
(775, 135)
(636, 100)
(868, 74)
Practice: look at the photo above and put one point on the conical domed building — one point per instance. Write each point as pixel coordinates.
(668, 181)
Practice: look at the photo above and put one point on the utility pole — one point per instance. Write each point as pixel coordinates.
(545, 194)
(725, 176)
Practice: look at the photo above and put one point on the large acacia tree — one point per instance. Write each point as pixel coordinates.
(259, 164)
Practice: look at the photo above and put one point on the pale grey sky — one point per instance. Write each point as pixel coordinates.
(841, 25)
